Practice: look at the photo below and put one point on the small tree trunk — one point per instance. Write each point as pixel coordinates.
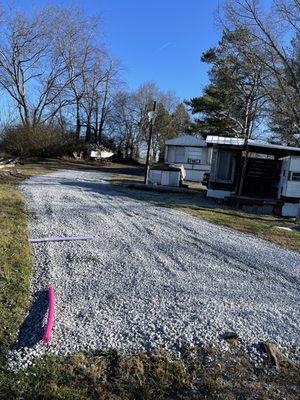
(88, 132)
(246, 135)
(100, 131)
(78, 121)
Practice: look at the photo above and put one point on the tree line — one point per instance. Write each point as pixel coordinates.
(63, 87)
(254, 73)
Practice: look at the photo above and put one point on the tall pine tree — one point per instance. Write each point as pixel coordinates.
(232, 102)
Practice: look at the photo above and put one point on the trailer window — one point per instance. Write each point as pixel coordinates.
(179, 154)
(194, 156)
(296, 176)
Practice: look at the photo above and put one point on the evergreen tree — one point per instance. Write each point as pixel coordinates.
(231, 102)
(180, 120)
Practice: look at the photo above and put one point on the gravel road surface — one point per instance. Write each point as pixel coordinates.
(151, 276)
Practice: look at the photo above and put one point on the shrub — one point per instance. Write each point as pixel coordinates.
(41, 141)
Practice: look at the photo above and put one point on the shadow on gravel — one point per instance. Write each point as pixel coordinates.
(97, 187)
(135, 171)
(106, 188)
(32, 329)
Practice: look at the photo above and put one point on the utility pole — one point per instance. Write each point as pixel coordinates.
(151, 115)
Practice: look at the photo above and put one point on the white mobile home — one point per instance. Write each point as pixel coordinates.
(272, 175)
(191, 152)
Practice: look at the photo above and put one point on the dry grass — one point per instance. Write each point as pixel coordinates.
(15, 263)
(200, 373)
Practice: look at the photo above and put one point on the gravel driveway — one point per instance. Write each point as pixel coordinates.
(150, 277)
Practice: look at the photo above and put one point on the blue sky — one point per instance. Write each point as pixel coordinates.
(160, 41)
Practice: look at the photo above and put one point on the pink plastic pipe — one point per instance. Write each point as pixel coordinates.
(59, 239)
(50, 322)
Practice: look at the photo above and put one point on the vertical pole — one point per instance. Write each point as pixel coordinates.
(243, 173)
(298, 214)
(149, 147)
(244, 167)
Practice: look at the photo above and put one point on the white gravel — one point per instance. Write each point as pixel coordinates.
(151, 277)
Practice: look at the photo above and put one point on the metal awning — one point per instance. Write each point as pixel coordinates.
(254, 145)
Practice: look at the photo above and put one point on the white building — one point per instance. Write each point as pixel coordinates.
(191, 152)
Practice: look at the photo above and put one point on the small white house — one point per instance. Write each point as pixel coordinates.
(191, 152)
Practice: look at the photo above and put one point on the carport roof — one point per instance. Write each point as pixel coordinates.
(255, 145)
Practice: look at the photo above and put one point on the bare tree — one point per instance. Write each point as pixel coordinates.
(48, 63)
(75, 45)
(30, 70)
(104, 96)
(123, 126)
(129, 120)
(270, 50)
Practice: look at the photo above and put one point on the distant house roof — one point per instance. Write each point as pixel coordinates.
(253, 144)
(187, 140)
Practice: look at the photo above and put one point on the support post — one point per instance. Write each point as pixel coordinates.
(149, 146)
(243, 173)
(298, 214)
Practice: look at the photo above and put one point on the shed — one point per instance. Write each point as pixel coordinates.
(166, 175)
(191, 152)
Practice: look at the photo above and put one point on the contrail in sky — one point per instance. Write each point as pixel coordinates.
(164, 46)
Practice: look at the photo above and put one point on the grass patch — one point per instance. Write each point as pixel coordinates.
(200, 373)
(15, 263)
(52, 164)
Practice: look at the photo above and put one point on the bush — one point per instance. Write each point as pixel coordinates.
(41, 141)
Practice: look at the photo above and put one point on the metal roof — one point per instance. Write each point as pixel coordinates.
(230, 141)
(187, 140)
